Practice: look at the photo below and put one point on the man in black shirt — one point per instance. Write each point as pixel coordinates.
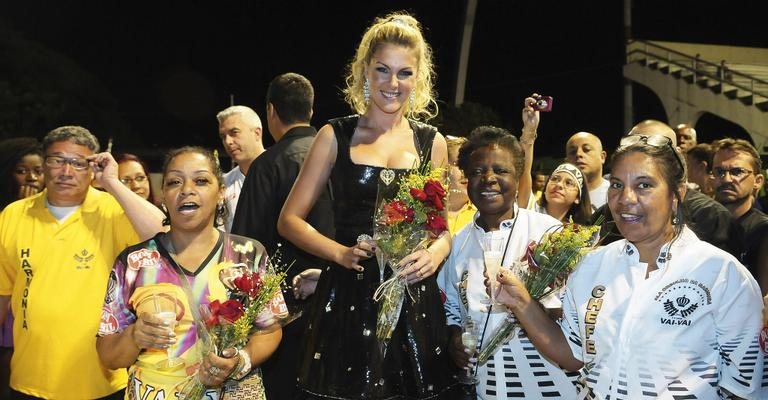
(267, 184)
(736, 168)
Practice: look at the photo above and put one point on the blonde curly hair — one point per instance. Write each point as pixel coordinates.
(403, 30)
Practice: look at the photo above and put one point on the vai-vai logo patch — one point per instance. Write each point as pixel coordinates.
(680, 299)
(681, 307)
(83, 258)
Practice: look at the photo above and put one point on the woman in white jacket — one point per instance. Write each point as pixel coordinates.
(660, 314)
(492, 161)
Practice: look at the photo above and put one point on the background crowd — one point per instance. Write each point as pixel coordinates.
(669, 304)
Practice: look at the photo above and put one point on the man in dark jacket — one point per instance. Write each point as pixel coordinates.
(736, 168)
(269, 180)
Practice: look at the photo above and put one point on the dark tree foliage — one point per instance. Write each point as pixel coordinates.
(41, 89)
(459, 121)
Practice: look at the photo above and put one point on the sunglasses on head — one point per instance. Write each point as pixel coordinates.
(655, 141)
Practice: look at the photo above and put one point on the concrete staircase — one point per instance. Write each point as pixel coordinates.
(689, 85)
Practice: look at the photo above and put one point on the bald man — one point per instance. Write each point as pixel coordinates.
(585, 150)
(686, 137)
(651, 127)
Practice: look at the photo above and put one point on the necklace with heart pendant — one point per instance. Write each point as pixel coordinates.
(387, 176)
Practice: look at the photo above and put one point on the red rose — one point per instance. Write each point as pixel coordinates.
(213, 319)
(435, 193)
(418, 194)
(434, 188)
(438, 203)
(397, 211)
(409, 215)
(249, 283)
(231, 310)
(435, 224)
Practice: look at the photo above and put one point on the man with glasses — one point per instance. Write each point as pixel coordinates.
(56, 253)
(736, 169)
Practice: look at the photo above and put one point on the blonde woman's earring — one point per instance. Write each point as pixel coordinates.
(366, 92)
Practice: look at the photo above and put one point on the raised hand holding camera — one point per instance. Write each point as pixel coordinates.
(542, 103)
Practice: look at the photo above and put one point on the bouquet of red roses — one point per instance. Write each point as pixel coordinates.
(251, 305)
(402, 224)
(254, 303)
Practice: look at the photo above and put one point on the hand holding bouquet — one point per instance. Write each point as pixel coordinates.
(254, 303)
(543, 270)
(404, 222)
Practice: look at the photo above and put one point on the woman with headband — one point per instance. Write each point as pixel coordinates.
(566, 197)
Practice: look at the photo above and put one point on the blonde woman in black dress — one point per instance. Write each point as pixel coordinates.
(388, 86)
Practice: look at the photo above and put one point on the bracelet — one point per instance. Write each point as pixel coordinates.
(243, 366)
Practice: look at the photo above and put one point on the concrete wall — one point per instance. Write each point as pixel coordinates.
(686, 102)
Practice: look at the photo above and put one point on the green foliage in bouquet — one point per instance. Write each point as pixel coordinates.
(549, 263)
(402, 224)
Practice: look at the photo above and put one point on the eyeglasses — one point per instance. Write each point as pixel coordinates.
(78, 164)
(736, 172)
(655, 141)
(127, 180)
(567, 182)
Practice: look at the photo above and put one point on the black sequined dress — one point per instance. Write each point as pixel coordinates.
(341, 357)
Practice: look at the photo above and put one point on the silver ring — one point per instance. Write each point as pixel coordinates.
(363, 238)
(214, 371)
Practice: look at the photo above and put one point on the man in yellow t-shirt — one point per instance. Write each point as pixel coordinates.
(56, 252)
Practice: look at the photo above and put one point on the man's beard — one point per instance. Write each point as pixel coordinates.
(730, 200)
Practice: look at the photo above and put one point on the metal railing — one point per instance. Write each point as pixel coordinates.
(639, 50)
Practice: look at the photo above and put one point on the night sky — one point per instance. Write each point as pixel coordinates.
(154, 75)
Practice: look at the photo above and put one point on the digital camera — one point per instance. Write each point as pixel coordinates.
(543, 104)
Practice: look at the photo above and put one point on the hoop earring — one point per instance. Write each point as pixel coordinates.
(167, 219)
(366, 92)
